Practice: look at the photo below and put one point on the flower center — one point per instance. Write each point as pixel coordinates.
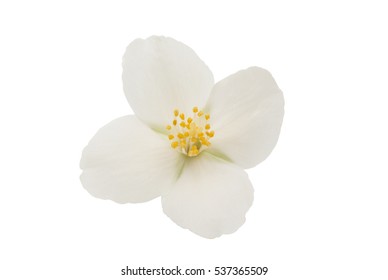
(190, 136)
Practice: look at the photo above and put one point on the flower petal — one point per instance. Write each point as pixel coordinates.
(128, 162)
(247, 111)
(160, 75)
(210, 197)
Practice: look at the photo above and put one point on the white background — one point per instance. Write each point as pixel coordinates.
(320, 209)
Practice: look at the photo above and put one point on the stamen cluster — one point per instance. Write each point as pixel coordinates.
(190, 135)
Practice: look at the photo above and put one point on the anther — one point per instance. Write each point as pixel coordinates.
(174, 144)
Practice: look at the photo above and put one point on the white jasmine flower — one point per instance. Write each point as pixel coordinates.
(190, 139)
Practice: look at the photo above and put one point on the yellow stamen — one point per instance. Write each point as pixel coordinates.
(210, 133)
(174, 144)
(192, 135)
(193, 151)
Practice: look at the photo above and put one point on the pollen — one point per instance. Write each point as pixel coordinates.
(193, 133)
(174, 144)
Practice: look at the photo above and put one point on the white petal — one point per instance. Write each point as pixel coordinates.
(210, 198)
(128, 162)
(247, 111)
(160, 75)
